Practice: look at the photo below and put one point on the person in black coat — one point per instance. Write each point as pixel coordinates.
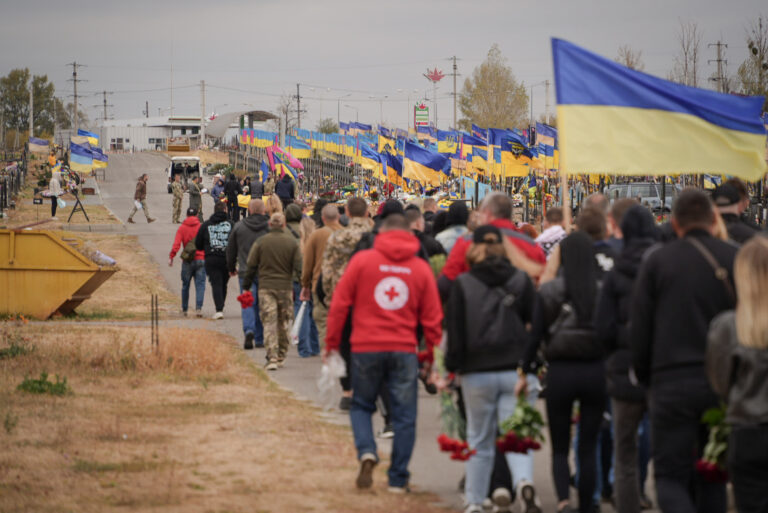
(628, 402)
(680, 288)
(565, 320)
(286, 190)
(257, 189)
(232, 190)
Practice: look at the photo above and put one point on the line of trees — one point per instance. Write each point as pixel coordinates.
(49, 110)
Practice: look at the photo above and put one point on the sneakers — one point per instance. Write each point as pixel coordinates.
(346, 403)
(248, 341)
(399, 489)
(502, 500)
(130, 220)
(387, 432)
(217, 316)
(529, 502)
(281, 362)
(198, 313)
(474, 508)
(151, 220)
(271, 366)
(365, 476)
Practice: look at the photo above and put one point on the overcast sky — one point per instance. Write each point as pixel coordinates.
(376, 52)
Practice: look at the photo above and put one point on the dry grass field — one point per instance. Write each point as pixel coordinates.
(191, 427)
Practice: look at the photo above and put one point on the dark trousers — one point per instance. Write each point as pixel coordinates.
(677, 440)
(748, 467)
(627, 416)
(54, 204)
(568, 382)
(233, 210)
(218, 276)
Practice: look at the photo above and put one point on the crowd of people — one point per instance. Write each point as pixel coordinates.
(629, 331)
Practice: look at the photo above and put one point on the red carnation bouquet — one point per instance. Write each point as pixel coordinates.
(522, 430)
(712, 464)
(246, 299)
(454, 435)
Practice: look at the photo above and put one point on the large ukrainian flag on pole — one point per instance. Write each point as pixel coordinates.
(614, 120)
(423, 165)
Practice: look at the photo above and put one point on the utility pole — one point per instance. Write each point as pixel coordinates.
(75, 80)
(202, 112)
(298, 104)
(454, 75)
(546, 100)
(719, 77)
(105, 105)
(146, 108)
(31, 107)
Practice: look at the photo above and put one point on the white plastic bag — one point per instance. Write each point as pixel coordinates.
(297, 324)
(137, 203)
(328, 382)
(61, 203)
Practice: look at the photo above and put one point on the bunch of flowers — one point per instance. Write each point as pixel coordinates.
(453, 438)
(246, 299)
(712, 464)
(522, 431)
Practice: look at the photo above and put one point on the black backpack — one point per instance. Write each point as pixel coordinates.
(495, 315)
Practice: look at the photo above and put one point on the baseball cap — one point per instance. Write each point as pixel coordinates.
(725, 195)
(487, 234)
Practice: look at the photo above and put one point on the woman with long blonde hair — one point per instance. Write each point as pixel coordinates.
(274, 205)
(737, 367)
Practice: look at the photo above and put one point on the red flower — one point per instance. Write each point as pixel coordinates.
(246, 299)
(712, 472)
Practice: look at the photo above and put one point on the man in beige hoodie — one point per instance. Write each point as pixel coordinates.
(313, 259)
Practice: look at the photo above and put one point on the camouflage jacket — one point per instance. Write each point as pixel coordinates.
(177, 191)
(269, 187)
(338, 251)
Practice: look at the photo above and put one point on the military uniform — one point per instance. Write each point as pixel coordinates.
(195, 201)
(178, 193)
(338, 251)
(269, 186)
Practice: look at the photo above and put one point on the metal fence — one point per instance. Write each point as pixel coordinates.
(11, 182)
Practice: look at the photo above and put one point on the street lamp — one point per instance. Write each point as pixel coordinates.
(357, 111)
(543, 82)
(338, 108)
(415, 91)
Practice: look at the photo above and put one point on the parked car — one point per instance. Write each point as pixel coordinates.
(187, 167)
(648, 193)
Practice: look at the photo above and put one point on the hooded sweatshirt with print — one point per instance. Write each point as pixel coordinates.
(213, 237)
(391, 291)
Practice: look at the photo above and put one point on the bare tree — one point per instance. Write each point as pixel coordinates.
(285, 111)
(492, 97)
(633, 59)
(753, 72)
(686, 67)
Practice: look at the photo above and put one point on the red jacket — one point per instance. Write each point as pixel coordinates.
(187, 232)
(391, 291)
(456, 263)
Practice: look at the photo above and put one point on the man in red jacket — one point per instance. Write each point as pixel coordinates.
(391, 291)
(496, 210)
(190, 268)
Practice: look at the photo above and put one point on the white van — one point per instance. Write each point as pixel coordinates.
(187, 167)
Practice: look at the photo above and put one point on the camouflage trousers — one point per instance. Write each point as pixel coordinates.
(176, 210)
(276, 311)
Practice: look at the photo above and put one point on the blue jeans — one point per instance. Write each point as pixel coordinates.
(489, 398)
(189, 270)
(398, 372)
(309, 343)
(251, 318)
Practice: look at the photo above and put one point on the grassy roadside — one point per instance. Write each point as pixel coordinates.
(195, 427)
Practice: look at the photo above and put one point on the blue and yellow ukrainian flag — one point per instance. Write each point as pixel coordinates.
(99, 159)
(93, 139)
(614, 120)
(447, 142)
(80, 158)
(423, 165)
(297, 147)
(480, 133)
(386, 144)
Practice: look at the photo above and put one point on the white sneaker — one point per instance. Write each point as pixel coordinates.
(526, 497)
(271, 366)
(502, 500)
(473, 508)
(218, 315)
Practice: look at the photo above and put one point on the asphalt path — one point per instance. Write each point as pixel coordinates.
(431, 470)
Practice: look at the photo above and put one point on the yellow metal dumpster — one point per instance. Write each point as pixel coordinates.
(42, 273)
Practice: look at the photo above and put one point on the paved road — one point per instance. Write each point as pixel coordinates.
(431, 470)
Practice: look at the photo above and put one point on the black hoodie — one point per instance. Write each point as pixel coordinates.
(213, 237)
(613, 305)
(466, 310)
(285, 189)
(242, 237)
